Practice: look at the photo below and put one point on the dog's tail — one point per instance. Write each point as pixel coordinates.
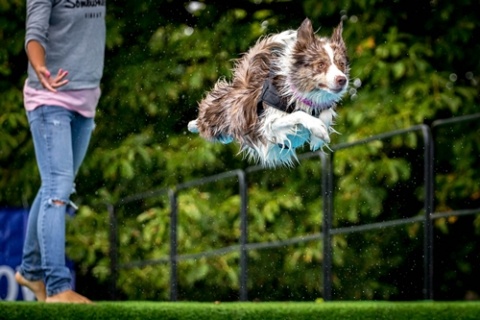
(213, 117)
(230, 108)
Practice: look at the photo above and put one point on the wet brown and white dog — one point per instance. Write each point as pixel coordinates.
(282, 95)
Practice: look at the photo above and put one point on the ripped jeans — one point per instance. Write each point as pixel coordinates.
(61, 139)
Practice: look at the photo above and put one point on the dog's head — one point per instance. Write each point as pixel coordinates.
(319, 67)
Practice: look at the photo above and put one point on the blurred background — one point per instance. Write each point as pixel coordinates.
(412, 62)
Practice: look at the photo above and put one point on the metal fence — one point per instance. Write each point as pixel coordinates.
(326, 160)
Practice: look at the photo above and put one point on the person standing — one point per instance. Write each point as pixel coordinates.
(65, 45)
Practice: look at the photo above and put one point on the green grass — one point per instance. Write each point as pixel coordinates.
(237, 310)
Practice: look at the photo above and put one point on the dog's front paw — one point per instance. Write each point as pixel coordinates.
(319, 133)
(319, 137)
(316, 143)
(192, 126)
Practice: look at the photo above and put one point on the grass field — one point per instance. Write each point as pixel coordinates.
(248, 310)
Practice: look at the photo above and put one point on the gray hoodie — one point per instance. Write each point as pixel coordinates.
(72, 32)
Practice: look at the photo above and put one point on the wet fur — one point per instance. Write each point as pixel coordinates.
(306, 77)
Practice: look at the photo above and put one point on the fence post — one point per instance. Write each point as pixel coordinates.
(428, 208)
(173, 245)
(242, 180)
(327, 193)
(113, 251)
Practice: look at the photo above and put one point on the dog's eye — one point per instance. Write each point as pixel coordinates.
(342, 64)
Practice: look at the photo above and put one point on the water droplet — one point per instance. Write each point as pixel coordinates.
(194, 6)
(188, 31)
(357, 83)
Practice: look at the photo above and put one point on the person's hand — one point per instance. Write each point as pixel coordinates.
(51, 83)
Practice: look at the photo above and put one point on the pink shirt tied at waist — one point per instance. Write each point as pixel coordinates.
(82, 101)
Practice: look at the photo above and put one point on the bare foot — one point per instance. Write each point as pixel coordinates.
(37, 287)
(68, 296)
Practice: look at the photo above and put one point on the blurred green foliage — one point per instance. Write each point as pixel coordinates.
(411, 63)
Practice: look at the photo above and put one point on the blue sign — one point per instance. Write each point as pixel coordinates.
(13, 226)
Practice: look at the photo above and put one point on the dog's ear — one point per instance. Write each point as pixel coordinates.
(305, 33)
(337, 34)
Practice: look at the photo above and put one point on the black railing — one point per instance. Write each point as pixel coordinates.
(428, 207)
(326, 160)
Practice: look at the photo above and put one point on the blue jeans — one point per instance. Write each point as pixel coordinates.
(61, 139)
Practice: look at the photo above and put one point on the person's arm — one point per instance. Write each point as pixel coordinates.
(36, 40)
(36, 56)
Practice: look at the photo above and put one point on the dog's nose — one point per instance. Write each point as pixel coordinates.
(340, 80)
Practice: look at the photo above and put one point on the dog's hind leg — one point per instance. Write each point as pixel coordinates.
(224, 139)
(192, 126)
